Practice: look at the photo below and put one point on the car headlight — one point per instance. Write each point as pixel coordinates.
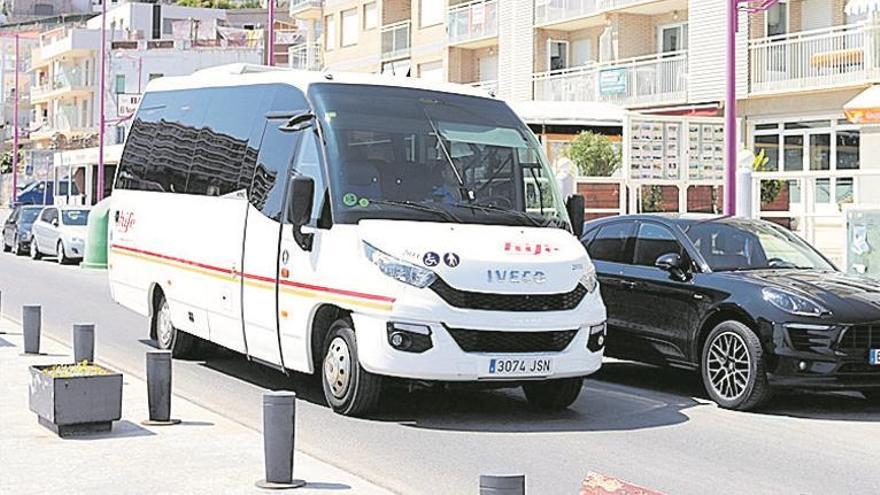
(398, 269)
(793, 303)
(590, 281)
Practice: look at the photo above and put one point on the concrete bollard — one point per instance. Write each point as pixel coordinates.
(279, 425)
(31, 323)
(514, 484)
(159, 389)
(83, 342)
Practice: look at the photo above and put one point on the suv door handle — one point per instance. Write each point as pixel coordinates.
(627, 284)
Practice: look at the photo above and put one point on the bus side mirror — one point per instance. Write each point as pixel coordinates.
(575, 207)
(299, 209)
(298, 123)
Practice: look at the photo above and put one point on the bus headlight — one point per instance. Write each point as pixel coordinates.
(398, 269)
(589, 280)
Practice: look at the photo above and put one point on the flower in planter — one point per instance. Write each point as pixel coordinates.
(75, 370)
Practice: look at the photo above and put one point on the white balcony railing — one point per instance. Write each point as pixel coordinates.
(489, 86)
(473, 21)
(550, 11)
(655, 79)
(300, 5)
(305, 56)
(838, 56)
(396, 40)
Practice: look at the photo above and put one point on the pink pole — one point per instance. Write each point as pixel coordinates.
(730, 113)
(270, 34)
(102, 89)
(15, 128)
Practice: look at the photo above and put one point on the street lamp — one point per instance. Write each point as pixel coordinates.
(734, 7)
(102, 88)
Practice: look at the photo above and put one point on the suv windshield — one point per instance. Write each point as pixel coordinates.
(734, 244)
(74, 217)
(412, 154)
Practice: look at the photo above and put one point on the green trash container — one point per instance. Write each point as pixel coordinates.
(96, 242)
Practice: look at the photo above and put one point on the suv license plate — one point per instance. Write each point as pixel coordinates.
(874, 357)
(520, 366)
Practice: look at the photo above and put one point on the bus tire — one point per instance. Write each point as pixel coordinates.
(168, 337)
(553, 395)
(349, 389)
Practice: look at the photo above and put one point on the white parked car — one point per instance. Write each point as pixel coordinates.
(60, 232)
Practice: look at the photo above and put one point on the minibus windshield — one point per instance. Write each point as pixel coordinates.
(411, 154)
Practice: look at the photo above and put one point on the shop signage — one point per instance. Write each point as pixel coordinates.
(127, 103)
(612, 82)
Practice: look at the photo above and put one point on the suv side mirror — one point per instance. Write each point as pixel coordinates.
(299, 209)
(672, 263)
(574, 205)
(54, 222)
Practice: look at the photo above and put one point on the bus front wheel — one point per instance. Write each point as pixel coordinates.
(348, 388)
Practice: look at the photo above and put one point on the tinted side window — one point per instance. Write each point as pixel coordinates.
(175, 139)
(273, 164)
(46, 214)
(654, 241)
(222, 145)
(610, 243)
(275, 157)
(136, 153)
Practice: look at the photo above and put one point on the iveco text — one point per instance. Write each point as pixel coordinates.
(355, 226)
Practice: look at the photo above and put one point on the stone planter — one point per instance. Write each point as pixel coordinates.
(75, 405)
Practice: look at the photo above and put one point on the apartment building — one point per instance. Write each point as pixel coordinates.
(145, 41)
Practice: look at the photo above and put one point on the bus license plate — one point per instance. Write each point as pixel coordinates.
(520, 366)
(874, 357)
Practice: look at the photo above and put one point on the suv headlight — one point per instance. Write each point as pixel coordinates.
(793, 303)
(590, 281)
(398, 269)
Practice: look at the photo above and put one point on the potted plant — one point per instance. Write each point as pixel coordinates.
(72, 399)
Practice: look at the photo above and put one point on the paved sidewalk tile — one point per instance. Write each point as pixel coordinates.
(207, 453)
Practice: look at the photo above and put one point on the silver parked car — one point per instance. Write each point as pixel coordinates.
(60, 231)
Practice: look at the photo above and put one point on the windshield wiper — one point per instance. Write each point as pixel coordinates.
(465, 192)
(418, 206)
(485, 207)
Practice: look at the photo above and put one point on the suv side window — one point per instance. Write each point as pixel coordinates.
(610, 243)
(45, 216)
(652, 242)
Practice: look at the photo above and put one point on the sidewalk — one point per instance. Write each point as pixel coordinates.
(207, 453)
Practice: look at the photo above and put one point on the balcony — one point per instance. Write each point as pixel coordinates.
(643, 81)
(305, 56)
(473, 24)
(64, 85)
(834, 57)
(306, 9)
(548, 12)
(395, 41)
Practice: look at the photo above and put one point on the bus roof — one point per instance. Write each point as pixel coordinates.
(249, 74)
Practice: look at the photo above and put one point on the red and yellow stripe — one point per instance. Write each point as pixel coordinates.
(299, 289)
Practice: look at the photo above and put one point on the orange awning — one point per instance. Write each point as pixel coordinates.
(865, 107)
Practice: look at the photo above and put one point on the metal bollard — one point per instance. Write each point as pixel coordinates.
(159, 389)
(83, 342)
(513, 484)
(279, 425)
(31, 322)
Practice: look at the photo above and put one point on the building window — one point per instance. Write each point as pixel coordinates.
(350, 28)
(371, 16)
(777, 19)
(793, 157)
(769, 143)
(120, 134)
(820, 152)
(557, 54)
(330, 32)
(120, 83)
(430, 13)
(848, 142)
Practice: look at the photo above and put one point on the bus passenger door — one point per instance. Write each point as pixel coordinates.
(262, 239)
(300, 289)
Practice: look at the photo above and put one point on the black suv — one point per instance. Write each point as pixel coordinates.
(747, 302)
(17, 228)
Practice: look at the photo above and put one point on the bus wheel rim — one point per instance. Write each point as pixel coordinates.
(337, 367)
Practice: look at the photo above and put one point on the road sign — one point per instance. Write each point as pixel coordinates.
(127, 103)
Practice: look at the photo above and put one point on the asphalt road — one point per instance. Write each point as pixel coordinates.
(649, 426)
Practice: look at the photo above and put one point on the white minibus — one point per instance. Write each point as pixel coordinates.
(374, 230)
